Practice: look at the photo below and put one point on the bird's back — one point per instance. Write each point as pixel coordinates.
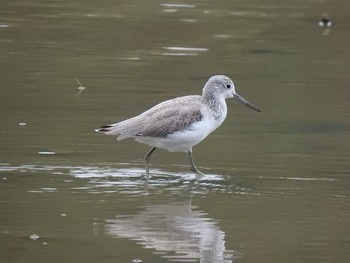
(161, 120)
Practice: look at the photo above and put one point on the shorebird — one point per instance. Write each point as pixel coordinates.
(179, 124)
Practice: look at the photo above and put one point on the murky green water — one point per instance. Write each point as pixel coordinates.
(277, 186)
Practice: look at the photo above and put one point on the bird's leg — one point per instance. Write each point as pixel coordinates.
(193, 167)
(147, 159)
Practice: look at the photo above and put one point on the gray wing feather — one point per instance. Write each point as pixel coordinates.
(168, 122)
(159, 121)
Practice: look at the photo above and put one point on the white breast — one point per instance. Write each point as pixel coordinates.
(184, 140)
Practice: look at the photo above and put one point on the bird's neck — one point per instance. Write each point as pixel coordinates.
(217, 106)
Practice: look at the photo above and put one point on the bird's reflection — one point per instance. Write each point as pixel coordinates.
(175, 231)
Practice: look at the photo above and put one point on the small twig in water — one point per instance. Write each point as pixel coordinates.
(80, 88)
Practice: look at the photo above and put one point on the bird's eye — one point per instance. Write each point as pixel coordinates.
(228, 86)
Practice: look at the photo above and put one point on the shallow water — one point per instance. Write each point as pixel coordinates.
(277, 184)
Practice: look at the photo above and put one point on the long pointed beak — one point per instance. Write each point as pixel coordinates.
(248, 104)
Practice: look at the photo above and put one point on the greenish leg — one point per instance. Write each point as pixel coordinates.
(193, 167)
(147, 159)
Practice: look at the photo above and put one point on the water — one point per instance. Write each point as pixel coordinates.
(277, 183)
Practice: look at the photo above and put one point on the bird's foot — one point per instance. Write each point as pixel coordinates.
(198, 173)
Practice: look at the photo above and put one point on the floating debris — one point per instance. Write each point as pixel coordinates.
(186, 48)
(170, 10)
(183, 51)
(178, 5)
(80, 88)
(34, 237)
(188, 20)
(47, 152)
(178, 54)
(49, 189)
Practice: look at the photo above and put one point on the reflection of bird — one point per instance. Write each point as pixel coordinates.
(178, 124)
(325, 21)
(174, 231)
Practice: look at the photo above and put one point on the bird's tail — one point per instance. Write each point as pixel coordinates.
(121, 129)
(104, 128)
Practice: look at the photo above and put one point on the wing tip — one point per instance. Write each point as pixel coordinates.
(104, 128)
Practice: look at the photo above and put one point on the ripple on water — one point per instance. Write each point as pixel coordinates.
(129, 179)
(106, 178)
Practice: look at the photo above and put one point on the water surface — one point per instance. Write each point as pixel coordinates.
(277, 183)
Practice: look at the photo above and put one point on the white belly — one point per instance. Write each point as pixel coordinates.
(183, 141)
